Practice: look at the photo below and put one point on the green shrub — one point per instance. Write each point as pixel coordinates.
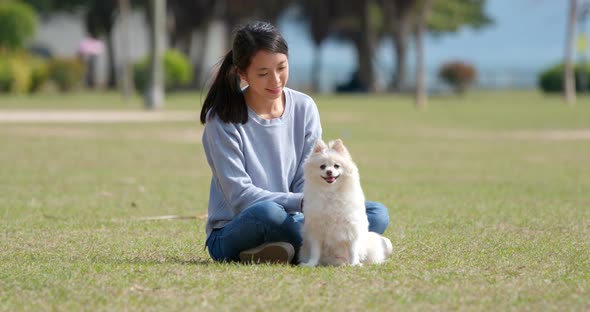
(459, 75)
(39, 73)
(177, 71)
(17, 24)
(5, 74)
(66, 73)
(140, 75)
(22, 73)
(15, 73)
(551, 80)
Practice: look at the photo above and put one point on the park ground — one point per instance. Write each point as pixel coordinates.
(488, 196)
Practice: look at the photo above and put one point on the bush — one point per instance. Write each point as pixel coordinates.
(5, 74)
(177, 71)
(66, 73)
(459, 75)
(551, 80)
(17, 24)
(22, 72)
(39, 73)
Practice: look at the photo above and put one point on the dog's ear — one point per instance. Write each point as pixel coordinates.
(339, 147)
(320, 146)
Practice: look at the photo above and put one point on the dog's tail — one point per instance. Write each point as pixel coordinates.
(387, 246)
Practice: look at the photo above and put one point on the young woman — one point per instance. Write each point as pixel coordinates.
(256, 140)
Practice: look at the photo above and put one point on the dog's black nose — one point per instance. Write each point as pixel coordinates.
(329, 173)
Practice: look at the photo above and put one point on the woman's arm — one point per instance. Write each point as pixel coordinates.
(223, 147)
(313, 132)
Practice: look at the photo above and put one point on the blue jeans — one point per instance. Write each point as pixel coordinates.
(266, 222)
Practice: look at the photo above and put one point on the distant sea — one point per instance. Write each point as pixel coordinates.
(339, 62)
(507, 55)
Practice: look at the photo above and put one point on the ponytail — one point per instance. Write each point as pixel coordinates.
(225, 96)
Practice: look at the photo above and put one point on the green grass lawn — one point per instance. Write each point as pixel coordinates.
(489, 198)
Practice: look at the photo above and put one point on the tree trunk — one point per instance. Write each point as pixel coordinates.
(398, 18)
(90, 74)
(421, 96)
(400, 44)
(316, 68)
(568, 73)
(365, 49)
(199, 59)
(126, 83)
(111, 68)
(154, 98)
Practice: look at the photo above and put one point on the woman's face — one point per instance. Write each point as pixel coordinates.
(267, 75)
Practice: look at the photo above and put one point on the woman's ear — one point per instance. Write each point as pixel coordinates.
(242, 75)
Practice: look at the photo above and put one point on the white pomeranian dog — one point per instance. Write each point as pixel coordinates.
(336, 229)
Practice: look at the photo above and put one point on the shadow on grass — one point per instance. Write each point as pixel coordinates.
(209, 263)
(205, 262)
(154, 261)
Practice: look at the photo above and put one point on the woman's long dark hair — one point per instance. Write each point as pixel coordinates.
(225, 97)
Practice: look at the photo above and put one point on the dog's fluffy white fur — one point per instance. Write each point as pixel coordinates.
(335, 231)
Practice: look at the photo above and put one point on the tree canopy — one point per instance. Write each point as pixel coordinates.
(363, 23)
(17, 24)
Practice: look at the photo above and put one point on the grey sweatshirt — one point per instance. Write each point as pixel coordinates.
(260, 160)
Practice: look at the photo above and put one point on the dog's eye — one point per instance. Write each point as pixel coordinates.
(323, 167)
(336, 166)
